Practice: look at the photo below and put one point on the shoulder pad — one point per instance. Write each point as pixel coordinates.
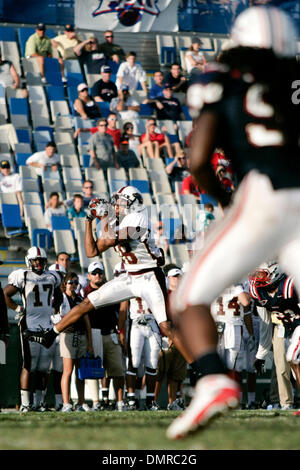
(206, 88)
(253, 291)
(16, 278)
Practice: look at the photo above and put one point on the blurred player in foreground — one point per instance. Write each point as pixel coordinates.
(244, 105)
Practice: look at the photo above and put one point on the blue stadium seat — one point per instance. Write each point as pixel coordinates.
(42, 237)
(142, 185)
(55, 93)
(21, 158)
(186, 112)
(206, 198)
(11, 220)
(18, 106)
(24, 136)
(104, 108)
(60, 222)
(146, 110)
(85, 160)
(74, 79)
(7, 33)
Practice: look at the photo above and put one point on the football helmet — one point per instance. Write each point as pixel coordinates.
(266, 28)
(36, 259)
(132, 197)
(266, 275)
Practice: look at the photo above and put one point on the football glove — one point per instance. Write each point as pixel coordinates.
(259, 365)
(97, 208)
(44, 337)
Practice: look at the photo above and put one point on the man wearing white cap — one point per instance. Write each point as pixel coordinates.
(104, 323)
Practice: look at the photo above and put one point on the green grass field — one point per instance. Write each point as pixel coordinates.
(239, 430)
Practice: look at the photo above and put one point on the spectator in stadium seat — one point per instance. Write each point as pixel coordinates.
(176, 79)
(85, 105)
(65, 43)
(125, 105)
(39, 45)
(190, 186)
(126, 157)
(111, 50)
(112, 130)
(75, 342)
(167, 106)
(131, 73)
(87, 194)
(55, 207)
(104, 89)
(133, 139)
(11, 182)
(178, 168)
(45, 159)
(76, 210)
(102, 149)
(194, 59)
(156, 142)
(90, 55)
(8, 74)
(157, 89)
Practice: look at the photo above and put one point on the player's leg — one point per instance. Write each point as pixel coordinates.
(112, 292)
(234, 247)
(152, 288)
(151, 353)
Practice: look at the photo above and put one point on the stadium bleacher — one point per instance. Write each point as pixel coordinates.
(46, 114)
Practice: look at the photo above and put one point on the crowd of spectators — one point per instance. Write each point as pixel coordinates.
(114, 142)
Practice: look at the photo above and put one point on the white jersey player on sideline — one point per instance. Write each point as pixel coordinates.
(144, 346)
(57, 362)
(232, 314)
(131, 238)
(41, 296)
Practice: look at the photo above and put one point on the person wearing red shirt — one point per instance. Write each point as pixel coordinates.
(111, 130)
(155, 142)
(190, 186)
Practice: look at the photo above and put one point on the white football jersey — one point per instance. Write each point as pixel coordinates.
(138, 307)
(37, 293)
(227, 308)
(141, 253)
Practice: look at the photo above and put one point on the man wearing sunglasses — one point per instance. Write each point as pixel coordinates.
(111, 50)
(104, 324)
(91, 55)
(102, 148)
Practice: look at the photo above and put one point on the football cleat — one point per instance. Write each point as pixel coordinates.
(44, 337)
(214, 394)
(24, 409)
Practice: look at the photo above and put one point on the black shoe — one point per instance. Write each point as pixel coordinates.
(44, 337)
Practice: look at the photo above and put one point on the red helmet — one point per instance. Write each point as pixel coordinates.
(266, 275)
